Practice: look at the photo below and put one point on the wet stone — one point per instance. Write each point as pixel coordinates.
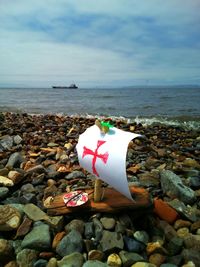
(15, 160)
(40, 263)
(111, 241)
(98, 230)
(72, 242)
(3, 192)
(6, 250)
(94, 263)
(114, 260)
(75, 224)
(108, 223)
(10, 218)
(39, 238)
(129, 258)
(89, 230)
(27, 257)
(75, 174)
(95, 255)
(133, 245)
(141, 236)
(173, 186)
(73, 259)
(186, 211)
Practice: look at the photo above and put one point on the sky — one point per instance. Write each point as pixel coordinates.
(99, 43)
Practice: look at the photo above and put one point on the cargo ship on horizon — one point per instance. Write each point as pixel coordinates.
(72, 86)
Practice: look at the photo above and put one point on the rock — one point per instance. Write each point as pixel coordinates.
(24, 227)
(182, 232)
(108, 222)
(189, 264)
(187, 212)
(6, 250)
(172, 185)
(10, 218)
(89, 230)
(189, 162)
(36, 169)
(57, 238)
(164, 211)
(167, 229)
(129, 258)
(194, 182)
(75, 174)
(11, 264)
(191, 255)
(175, 245)
(52, 263)
(192, 241)
(98, 230)
(6, 142)
(27, 198)
(26, 257)
(94, 263)
(4, 181)
(76, 225)
(181, 223)
(133, 245)
(114, 260)
(15, 160)
(3, 192)
(72, 242)
(35, 213)
(195, 226)
(111, 241)
(155, 247)
(15, 176)
(40, 263)
(56, 222)
(95, 255)
(75, 259)
(157, 259)
(39, 238)
(141, 236)
(145, 264)
(17, 139)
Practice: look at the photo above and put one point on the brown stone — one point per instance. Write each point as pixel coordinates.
(57, 238)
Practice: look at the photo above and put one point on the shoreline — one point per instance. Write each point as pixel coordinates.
(185, 122)
(38, 159)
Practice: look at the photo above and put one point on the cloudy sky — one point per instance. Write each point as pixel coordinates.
(97, 43)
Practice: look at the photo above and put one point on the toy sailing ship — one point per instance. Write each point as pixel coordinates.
(102, 151)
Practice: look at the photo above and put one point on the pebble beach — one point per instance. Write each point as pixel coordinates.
(38, 160)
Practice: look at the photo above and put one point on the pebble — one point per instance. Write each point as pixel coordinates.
(75, 259)
(4, 181)
(75, 224)
(111, 241)
(108, 223)
(70, 243)
(3, 192)
(10, 218)
(129, 258)
(95, 255)
(133, 245)
(39, 238)
(114, 260)
(27, 257)
(172, 185)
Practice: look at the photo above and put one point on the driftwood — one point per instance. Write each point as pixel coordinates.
(113, 201)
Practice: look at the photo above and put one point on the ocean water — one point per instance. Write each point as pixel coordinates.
(171, 105)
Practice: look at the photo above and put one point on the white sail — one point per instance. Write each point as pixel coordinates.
(104, 155)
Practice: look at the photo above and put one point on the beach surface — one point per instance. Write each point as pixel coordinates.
(38, 160)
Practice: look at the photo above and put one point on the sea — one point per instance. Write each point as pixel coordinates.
(172, 105)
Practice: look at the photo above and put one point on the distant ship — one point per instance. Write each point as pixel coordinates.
(72, 86)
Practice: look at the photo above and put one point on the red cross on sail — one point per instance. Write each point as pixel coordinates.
(103, 157)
